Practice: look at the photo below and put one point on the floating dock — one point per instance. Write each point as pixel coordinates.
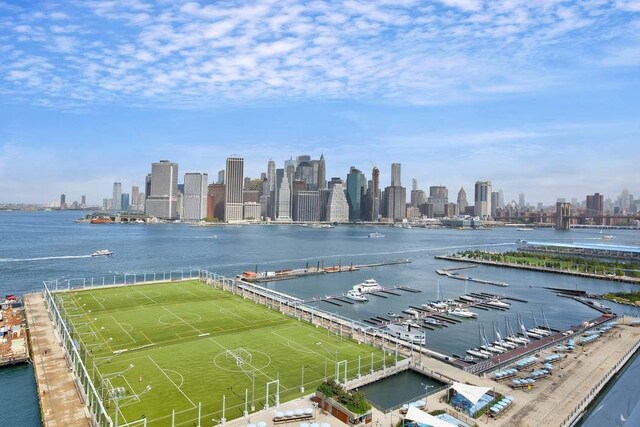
(447, 272)
(14, 347)
(383, 293)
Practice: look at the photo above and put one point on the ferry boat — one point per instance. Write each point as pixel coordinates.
(101, 220)
(102, 252)
(375, 235)
(356, 296)
(463, 312)
(369, 285)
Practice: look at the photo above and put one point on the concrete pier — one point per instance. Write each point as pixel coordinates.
(60, 403)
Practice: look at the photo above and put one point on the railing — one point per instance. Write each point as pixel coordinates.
(421, 397)
(579, 410)
(92, 399)
(121, 279)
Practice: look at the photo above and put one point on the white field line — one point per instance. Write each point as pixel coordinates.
(303, 349)
(93, 296)
(249, 364)
(123, 329)
(174, 384)
(170, 312)
(90, 322)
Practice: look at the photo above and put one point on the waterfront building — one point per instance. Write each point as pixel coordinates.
(135, 192)
(482, 199)
(323, 195)
(495, 197)
(215, 201)
(418, 197)
(595, 204)
(195, 196)
(117, 196)
(438, 197)
(163, 201)
(395, 200)
(355, 188)
(306, 206)
(451, 210)
(124, 202)
(106, 204)
(462, 201)
(140, 202)
(252, 196)
(283, 199)
(413, 213)
(251, 211)
(233, 179)
(337, 205)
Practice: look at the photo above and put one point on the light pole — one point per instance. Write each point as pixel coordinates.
(426, 387)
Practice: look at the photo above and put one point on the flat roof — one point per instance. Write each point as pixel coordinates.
(590, 246)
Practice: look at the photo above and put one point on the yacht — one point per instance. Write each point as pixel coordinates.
(432, 321)
(463, 312)
(438, 304)
(451, 302)
(412, 312)
(356, 296)
(469, 298)
(375, 235)
(369, 285)
(102, 252)
(497, 303)
(393, 315)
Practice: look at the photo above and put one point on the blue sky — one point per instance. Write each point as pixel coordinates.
(537, 96)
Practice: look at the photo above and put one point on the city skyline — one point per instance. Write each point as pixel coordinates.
(539, 97)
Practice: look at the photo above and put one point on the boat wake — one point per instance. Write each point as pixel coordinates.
(45, 258)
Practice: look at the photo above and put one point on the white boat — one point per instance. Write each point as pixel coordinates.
(469, 298)
(533, 334)
(369, 285)
(463, 312)
(412, 312)
(439, 305)
(477, 353)
(608, 237)
(427, 306)
(102, 252)
(518, 340)
(404, 332)
(497, 303)
(375, 235)
(410, 324)
(540, 332)
(524, 229)
(450, 302)
(393, 315)
(493, 349)
(505, 344)
(356, 296)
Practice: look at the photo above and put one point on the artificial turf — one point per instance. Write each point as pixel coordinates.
(174, 338)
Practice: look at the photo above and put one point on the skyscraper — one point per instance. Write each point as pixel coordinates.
(220, 177)
(306, 206)
(147, 188)
(395, 200)
(124, 202)
(135, 192)
(337, 206)
(375, 194)
(438, 197)
(163, 201)
(215, 201)
(395, 175)
(234, 179)
(117, 196)
(355, 188)
(462, 201)
(595, 204)
(63, 201)
(495, 197)
(284, 197)
(195, 196)
(482, 199)
(322, 178)
(521, 202)
(83, 201)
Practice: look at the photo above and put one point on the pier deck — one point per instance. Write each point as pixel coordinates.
(59, 401)
(13, 348)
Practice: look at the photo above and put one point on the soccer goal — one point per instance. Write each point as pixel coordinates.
(239, 355)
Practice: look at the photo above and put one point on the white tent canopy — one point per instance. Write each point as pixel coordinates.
(470, 392)
(415, 414)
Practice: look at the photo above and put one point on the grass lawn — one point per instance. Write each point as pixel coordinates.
(181, 339)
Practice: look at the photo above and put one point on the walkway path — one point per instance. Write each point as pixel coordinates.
(59, 401)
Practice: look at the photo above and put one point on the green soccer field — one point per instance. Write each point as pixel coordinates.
(175, 346)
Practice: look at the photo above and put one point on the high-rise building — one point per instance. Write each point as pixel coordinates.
(355, 188)
(124, 202)
(395, 200)
(306, 206)
(233, 181)
(482, 199)
(595, 204)
(117, 196)
(163, 201)
(147, 188)
(521, 202)
(501, 203)
(304, 172)
(220, 177)
(322, 178)
(135, 192)
(63, 201)
(284, 196)
(195, 196)
(462, 201)
(438, 197)
(140, 202)
(396, 175)
(215, 201)
(271, 175)
(375, 194)
(337, 205)
(495, 197)
(83, 201)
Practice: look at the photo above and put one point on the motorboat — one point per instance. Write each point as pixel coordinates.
(369, 285)
(375, 235)
(495, 302)
(608, 237)
(469, 298)
(102, 252)
(393, 315)
(432, 321)
(412, 311)
(356, 296)
(450, 302)
(463, 312)
(441, 305)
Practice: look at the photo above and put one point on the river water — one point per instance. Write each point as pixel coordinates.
(50, 245)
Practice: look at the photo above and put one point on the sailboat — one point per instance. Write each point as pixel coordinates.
(466, 297)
